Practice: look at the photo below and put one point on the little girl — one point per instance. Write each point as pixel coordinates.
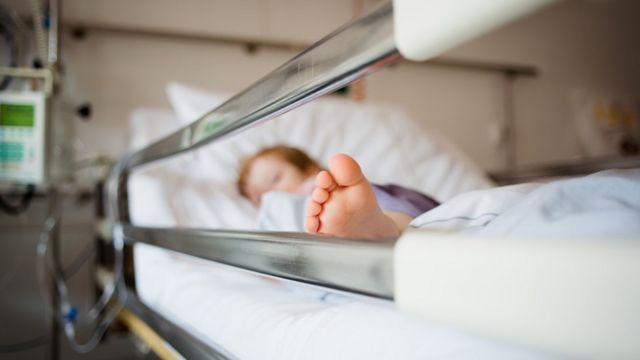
(343, 203)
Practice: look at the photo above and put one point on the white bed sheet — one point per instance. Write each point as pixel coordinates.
(255, 317)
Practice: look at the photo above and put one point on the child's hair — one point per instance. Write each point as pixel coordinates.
(296, 157)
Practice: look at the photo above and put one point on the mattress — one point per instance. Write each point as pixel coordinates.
(257, 317)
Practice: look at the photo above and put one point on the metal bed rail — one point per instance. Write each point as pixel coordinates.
(555, 170)
(357, 49)
(364, 267)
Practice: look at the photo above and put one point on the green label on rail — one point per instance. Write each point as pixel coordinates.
(209, 127)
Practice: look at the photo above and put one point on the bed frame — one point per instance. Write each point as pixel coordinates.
(353, 51)
(319, 70)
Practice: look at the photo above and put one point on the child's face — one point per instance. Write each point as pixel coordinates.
(271, 173)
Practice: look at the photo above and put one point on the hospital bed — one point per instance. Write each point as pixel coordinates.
(495, 287)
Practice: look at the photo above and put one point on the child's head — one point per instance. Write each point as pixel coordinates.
(281, 168)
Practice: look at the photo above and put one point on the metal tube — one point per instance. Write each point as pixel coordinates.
(357, 49)
(54, 212)
(560, 169)
(354, 265)
(41, 41)
(509, 123)
(324, 67)
(54, 25)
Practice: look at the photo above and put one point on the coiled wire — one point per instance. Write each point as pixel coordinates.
(51, 278)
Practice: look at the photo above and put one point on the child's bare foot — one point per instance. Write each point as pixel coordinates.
(344, 204)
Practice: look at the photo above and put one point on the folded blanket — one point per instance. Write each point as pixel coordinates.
(603, 205)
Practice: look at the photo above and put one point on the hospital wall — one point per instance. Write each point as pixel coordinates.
(577, 46)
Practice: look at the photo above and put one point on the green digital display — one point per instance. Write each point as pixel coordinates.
(17, 115)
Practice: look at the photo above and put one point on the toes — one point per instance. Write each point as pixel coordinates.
(313, 208)
(312, 224)
(320, 195)
(345, 170)
(325, 181)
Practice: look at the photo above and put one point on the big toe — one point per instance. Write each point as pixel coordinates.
(345, 170)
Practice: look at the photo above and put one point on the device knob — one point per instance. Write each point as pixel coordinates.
(84, 111)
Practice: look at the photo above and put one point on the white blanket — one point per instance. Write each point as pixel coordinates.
(605, 204)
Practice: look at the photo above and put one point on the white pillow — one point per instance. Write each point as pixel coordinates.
(190, 104)
(147, 125)
(160, 196)
(167, 194)
(389, 145)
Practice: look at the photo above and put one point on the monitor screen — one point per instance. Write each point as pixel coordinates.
(17, 115)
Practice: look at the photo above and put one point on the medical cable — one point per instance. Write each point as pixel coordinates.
(9, 34)
(67, 273)
(78, 261)
(112, 313)
(21, 207)
(66, 312)
(110, 288)
(38, 25)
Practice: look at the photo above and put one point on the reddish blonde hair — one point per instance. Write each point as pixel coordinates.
(296, 157)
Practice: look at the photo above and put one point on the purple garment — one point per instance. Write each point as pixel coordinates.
(400, 199)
